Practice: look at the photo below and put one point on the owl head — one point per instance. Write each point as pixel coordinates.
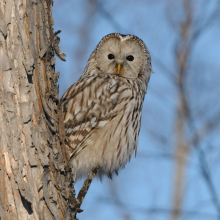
(124, 55)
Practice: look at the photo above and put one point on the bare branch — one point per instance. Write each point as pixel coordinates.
(85, 187)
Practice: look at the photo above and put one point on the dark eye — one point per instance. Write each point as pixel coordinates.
(111, 56)
(130, 58)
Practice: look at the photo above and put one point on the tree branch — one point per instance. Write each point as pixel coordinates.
(85, 187)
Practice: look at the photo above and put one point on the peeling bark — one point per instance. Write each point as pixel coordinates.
(35, 179)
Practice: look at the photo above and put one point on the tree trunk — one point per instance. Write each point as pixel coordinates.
(35, 179)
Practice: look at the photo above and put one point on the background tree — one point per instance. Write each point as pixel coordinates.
(176, 172)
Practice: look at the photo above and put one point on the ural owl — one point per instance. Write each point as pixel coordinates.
(102, 110)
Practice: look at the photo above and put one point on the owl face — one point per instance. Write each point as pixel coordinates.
(121, 54)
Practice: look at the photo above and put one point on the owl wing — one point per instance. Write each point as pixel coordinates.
(90, 104)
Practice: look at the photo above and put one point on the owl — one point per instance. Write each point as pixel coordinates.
(102, 110)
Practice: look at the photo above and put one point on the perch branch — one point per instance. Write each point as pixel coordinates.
(85, 187)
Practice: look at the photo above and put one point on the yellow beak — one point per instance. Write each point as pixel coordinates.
(119, 68)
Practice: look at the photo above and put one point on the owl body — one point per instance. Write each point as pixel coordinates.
(102, 110)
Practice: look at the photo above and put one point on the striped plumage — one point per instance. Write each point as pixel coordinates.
(102, 110)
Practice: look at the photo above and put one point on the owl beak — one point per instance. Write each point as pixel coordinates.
(119, 68)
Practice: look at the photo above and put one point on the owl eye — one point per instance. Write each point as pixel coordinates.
(111, 56)
(130, 58)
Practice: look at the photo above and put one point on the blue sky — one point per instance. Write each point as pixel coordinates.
(144, 189)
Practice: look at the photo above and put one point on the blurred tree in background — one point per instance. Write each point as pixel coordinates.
(177, 170)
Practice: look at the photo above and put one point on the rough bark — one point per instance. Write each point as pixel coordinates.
(35, 177)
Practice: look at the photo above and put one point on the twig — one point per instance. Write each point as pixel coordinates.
(85, 187)
(207, 177)
(55, 46)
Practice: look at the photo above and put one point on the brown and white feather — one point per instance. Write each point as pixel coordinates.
(102, 112)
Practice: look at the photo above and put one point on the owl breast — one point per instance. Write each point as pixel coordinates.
(111, 146)
(102, 123)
